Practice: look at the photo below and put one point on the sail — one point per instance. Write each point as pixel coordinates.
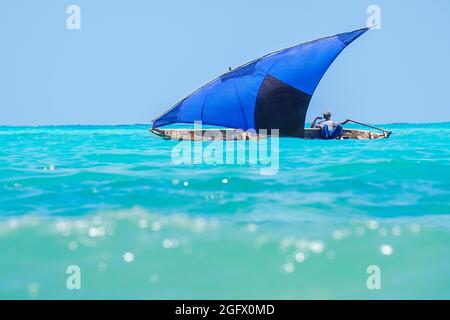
(272, 92)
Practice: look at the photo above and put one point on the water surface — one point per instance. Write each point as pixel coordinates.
(110, 200)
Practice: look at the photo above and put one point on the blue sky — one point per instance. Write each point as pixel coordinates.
(133, 59)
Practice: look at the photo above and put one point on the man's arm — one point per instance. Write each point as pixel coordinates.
(313, 124)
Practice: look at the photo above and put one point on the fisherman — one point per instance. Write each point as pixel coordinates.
(330, 129)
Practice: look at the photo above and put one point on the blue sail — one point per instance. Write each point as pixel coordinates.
(272, 92)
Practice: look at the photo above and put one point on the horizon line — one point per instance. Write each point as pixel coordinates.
(149, 124)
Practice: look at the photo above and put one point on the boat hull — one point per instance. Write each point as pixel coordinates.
(239, 134)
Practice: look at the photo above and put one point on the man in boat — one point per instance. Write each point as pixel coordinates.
(330, 129)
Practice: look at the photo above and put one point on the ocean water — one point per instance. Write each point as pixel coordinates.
(111, 201)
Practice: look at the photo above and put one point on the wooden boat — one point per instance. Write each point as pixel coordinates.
(239, 134)
(270, 92)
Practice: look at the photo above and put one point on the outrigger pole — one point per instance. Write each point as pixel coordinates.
(368, 125)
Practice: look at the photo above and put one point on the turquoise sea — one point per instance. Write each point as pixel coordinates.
(110, 200)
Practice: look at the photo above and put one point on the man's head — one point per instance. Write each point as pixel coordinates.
(327, 115)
